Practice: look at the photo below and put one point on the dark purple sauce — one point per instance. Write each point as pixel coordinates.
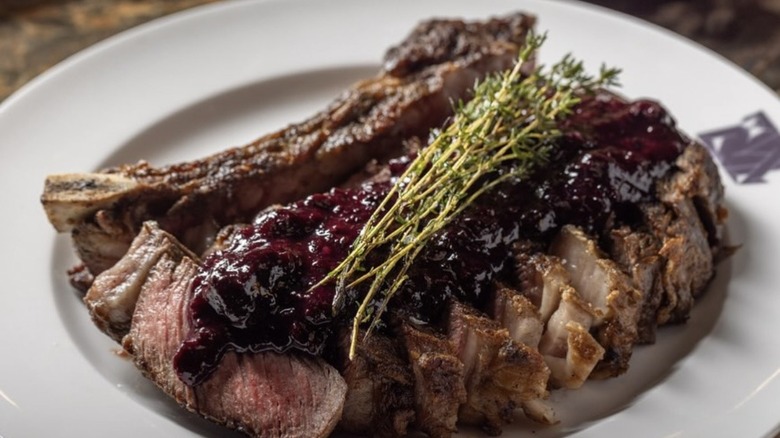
(255, 295)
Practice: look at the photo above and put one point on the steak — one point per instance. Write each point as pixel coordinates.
(380, 388)
(434, 67)
(517, 314)
(112, 298)
(500, 375)
(688, 223)
(637, 254)
(568, 348)
(572, 308)
(542, 284)
(439, 388)
(262, 394)
(609, 296)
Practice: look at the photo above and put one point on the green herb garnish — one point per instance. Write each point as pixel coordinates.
(503, 133)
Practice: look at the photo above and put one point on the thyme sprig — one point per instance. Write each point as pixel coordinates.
(503, 133)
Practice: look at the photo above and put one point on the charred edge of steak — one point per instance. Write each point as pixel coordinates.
(438, 380)
(438, 41)
(467, 370)
(193, 200)
(380, 388)
(637, 253)
(500, 374)
(689, 223)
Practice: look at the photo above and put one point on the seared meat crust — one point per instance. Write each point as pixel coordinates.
(439, 380)
(380, 388)
(500, 375)
(434, 67)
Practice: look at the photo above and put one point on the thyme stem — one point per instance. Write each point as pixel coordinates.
(504, 133)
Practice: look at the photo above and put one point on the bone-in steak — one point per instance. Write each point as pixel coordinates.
(542, 283)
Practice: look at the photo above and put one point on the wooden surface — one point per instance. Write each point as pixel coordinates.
(744, 31)
(36, 34)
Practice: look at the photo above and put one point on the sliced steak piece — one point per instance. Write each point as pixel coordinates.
(439, 380)
(688, 257)
(439, 41)
(610, 293)
(113, 295)
(500, 375)
(517, 314)
(380, 388)
(263, 394)
(637, 253)
(542, 279)
(689, 224)
(434, 67)
(521, 318)
(569, 349)
(697, 179)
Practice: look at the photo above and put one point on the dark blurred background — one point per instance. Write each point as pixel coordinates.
(36, 34)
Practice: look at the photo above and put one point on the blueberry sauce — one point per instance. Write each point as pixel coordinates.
(256, 294)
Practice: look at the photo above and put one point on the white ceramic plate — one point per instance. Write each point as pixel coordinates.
(221, 75)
